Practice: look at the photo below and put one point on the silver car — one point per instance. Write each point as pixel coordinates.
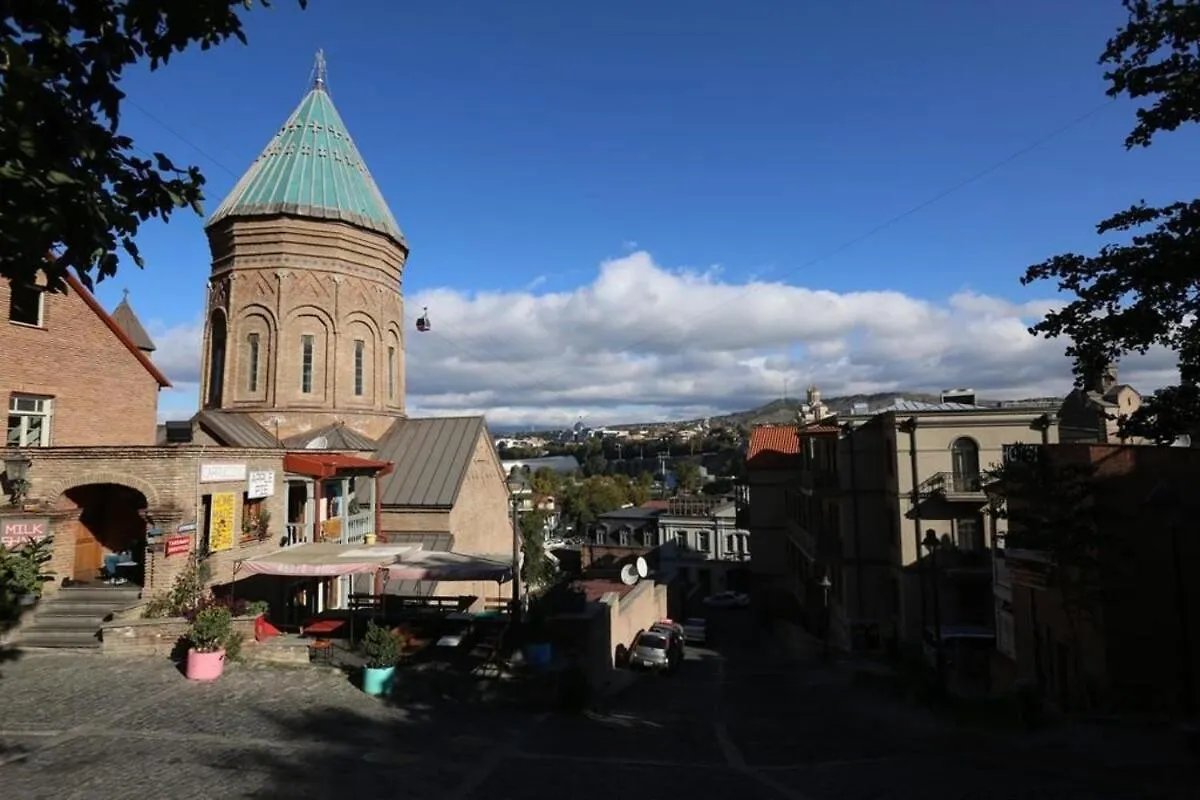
(651, 650)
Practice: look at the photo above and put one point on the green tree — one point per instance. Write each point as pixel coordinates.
(70, 183)
(537, 570)
(688, 476)
(546, 482)
(1133, 296)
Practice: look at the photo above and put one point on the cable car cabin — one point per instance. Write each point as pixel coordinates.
(423, 321)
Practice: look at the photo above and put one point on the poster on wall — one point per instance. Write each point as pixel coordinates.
(178, 545)
(261, 483)
(220, 525)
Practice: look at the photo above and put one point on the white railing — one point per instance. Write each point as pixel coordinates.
(297, 533)
(356, 527)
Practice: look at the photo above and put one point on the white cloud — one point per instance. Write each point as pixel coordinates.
(643, 342)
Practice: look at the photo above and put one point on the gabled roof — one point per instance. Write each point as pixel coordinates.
(337, 437)
(123, 315)
(234, 430)
(431, 457)
(90, 300)
(311, 168)
(773, 447)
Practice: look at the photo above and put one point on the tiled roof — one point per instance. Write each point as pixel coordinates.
(773, 447)
(311, 168)
(128, 321)
(431, 457)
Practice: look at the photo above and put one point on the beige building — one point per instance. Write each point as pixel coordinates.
(1093, 413)
(873, 488)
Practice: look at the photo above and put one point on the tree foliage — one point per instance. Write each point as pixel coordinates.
(1145, 292)
(537, 570)
(71, 183)
(688, 476)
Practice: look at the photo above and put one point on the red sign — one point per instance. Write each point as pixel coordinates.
(178, 545)
(16, 532)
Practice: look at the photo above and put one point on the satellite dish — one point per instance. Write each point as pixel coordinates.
(629, 575)
(642, 568)
(319, 443)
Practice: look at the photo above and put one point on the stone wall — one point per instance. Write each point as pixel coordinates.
(156, 637)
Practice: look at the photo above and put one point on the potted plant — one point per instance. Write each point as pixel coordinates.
(381, 651)
(210, 632)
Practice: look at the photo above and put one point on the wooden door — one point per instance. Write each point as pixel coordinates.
(89, 555)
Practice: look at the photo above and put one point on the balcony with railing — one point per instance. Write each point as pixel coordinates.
(954, 487)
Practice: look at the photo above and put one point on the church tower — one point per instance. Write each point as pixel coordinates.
(304, 320)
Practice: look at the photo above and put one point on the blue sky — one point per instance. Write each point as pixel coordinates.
(524, 145)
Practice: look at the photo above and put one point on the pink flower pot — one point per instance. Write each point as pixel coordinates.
(205, 666)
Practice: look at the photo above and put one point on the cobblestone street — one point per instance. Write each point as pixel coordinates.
(745, 721)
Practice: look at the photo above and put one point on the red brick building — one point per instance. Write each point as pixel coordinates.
(1133, 643)
(71, 375)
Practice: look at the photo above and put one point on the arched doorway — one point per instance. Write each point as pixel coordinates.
(110, 522)
(216, 359)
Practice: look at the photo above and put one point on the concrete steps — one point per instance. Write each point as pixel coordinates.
(72, 618)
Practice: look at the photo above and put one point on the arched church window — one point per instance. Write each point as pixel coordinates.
(391, 373)
(216, 360)
(306, 363)
(252, 362)
(360, 348)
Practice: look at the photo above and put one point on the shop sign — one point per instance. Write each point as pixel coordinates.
(222, 473)
(261, 484)
(16, 532)
(220, 523)
(178, 545)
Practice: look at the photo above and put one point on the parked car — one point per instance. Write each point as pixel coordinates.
(674, 632)
(727, 600)
(695, 630)
(652, 650)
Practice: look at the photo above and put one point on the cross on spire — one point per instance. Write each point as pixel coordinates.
(320, 72)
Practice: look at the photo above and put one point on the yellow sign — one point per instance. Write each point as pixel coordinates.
(220, 522)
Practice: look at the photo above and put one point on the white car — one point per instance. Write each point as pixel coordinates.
(727, 600)
(695, 630)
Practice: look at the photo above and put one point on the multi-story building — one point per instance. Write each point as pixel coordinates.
(1110, 623)
(763, 507)
(873, 494)
(702, 542)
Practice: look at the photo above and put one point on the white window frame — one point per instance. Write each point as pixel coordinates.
(41, 306)
(43, 409)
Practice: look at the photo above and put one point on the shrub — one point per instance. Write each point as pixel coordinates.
(211, 629)
(379, 646)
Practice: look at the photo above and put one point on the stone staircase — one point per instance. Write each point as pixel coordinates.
(72, 618)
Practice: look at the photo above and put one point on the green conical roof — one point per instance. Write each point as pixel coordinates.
(312, 169)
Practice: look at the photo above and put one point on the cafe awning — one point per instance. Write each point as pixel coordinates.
(429, 565)
(333, 465)
(322, 560)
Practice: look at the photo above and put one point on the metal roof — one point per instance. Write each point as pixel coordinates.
(235, 430)
(128, 321)
(311, 168)
(431, 457)
(903, 406)
(337, 437)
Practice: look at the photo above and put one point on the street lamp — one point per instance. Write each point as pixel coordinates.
(932, 543)
(515, 485)
(16, 467)
(826, 585)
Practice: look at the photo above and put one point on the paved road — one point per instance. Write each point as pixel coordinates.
(746, 721)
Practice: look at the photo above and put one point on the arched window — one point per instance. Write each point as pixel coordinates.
(216, 359)
(964, 459)
(252, 362)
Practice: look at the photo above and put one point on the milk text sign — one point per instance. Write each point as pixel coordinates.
(222, 473)
(260, 484)
(16, 532)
